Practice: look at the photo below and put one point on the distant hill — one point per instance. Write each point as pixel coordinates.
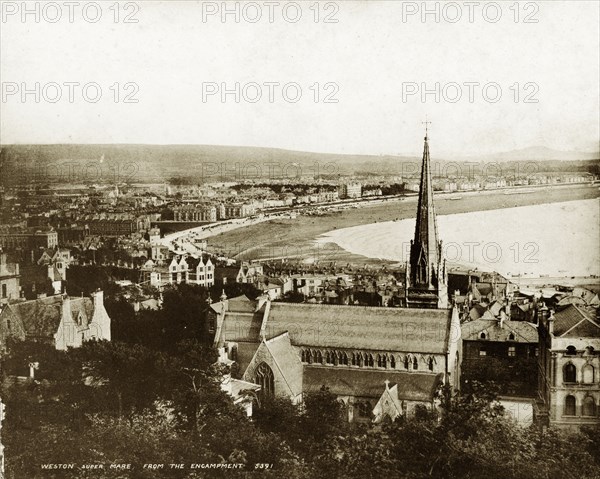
(209, 163)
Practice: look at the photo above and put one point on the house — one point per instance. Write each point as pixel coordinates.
(9, 280)
(58, 320)
(569, 361)
(495, 348)
(290, 349)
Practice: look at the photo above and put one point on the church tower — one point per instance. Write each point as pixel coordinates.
(426, 276)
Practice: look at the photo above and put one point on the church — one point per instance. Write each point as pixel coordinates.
(381, 362)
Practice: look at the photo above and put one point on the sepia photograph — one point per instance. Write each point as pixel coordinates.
(305, 239)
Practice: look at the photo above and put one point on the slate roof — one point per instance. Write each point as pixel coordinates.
(575, 321)
(524, 332)
(370, 383)
(356, 327)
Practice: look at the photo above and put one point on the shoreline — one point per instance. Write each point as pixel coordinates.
(297, 238)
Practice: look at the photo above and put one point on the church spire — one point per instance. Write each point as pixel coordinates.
(425, 250)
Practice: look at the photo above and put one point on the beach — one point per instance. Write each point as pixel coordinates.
(297, 238)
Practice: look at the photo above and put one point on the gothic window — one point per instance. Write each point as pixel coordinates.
(589, 406)
(588, 374)
(303, 356)
(369, 362)
(265, 379)
(359, 360)
(415, 363)
(381, 361)
(430, 364)
(319, 357)
(570, 406)
(570, 373)
(483, 335)
(344, 359)
(392, 362)
(354, 359)
(309, 357)
(511, 337)
(571, 350)
(406, 360)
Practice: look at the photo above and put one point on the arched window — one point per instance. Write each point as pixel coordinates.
(392, 362)
(571, 350)
(319, 357)
(570, 373)
(430, 364)
(359, 360)
(344, 359)
(309, 357)
(327, 358)
(303, 356)
(406, 361)
(570, 406)
(415, 363)
(265, 379)
(589, 406)
(369, 361)
(354, 359)
(381, 361)
(511, 337)
(588, 374)
(483, 335)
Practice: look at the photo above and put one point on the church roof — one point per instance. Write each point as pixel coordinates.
(357, 327)
(370, 383)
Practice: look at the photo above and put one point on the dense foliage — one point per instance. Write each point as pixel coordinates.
(108, 403)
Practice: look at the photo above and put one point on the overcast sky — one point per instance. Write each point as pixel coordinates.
(373, 63)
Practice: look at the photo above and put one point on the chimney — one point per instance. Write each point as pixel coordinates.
(551, 322)
(98, 297)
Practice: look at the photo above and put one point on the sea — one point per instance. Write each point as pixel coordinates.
(555, 239)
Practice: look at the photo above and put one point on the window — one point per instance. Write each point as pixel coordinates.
(511, 337)
(303, 356)
(234, 352)
(392, 362)
(406, 361)
(309, 357)
(319, 357)
(588, 374)
(570, 406)
(512, 351)
(381, 361)
(343, 359)
(369, 362)
(430, 364)
(265, 379)
(571, 350)
(482, 352)
(4, 291)
(364, 409)
(589, 406)
(415, 363)
(570, 373)
(483, 335)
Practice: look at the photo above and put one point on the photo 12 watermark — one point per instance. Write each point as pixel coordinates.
(270, 12)
(69, 12)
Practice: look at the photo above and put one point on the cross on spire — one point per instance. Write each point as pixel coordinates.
(426, 123)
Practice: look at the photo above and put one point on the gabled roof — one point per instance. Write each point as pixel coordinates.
(357, 327)
(524, 332)
(370, 383)
(576, 321)
(288, 362)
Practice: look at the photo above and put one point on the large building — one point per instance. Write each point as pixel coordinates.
(569, 383)
(291, 349)
(426, 275)
(381, 362)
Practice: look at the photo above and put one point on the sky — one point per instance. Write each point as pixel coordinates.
(357, 77)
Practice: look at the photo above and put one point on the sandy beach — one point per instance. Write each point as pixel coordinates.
(295, 238)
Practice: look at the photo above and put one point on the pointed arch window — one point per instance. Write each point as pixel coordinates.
(570, 406)
(344, 359)
(511, 336)
(319, 357)
(589, 406)
(406, 361)
(354, 359)
(265, 379)
(369, 362)
(392, 362)
(430, 364)
(309, 357)
(415, 363)
(570, 373)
